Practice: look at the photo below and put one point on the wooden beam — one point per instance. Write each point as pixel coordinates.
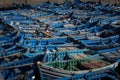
(17, 66)
(47, 34)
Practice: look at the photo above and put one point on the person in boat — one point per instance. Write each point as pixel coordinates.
(47, 28)
(54, 55)
(37, 31)
(47, 33)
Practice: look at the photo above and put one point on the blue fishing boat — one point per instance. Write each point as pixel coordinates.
(70, 41)
(102, 43)
(69, 68)
(56, 67)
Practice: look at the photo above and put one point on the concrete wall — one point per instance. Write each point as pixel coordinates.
(9, 2)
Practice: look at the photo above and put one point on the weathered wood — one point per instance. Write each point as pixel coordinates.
(17, 66)
(47, 34)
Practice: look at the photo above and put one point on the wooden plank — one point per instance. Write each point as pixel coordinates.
(17, 66)
(47, 34)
